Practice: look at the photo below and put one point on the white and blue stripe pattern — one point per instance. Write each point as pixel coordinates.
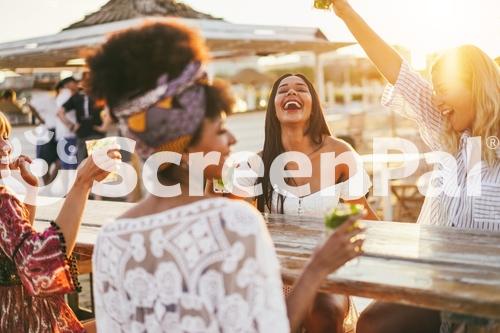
(412, 96)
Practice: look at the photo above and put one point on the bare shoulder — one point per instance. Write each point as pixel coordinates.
(336, 145)
(147, 206)
(137, 210)
(345, 155)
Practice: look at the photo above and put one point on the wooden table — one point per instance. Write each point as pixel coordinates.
(433, 267)
(97, 213)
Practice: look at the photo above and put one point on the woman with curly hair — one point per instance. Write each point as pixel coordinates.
(188, 263)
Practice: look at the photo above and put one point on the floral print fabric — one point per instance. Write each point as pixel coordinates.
(35, 274)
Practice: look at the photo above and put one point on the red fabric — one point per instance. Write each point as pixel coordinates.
(40, 261)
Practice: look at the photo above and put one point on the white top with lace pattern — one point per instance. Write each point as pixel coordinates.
(209, 266)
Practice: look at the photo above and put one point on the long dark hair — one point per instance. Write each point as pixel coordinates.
(273, 147)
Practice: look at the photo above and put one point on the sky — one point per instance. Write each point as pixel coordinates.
(423, 26)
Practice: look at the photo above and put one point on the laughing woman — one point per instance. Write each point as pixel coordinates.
(295, 124)
(462, 102)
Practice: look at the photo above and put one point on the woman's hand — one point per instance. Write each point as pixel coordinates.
(209, 188)
(90, 170)
(22, 163)
(343, 245)
(98, 166)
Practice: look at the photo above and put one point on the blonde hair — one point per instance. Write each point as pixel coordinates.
(5, 128)
(482, 76)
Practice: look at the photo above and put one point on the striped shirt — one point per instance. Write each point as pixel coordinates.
(411, 96)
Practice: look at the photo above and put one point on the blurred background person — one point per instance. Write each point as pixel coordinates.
(89, 122)
(11, 109)
(43, 106)
(65, 136)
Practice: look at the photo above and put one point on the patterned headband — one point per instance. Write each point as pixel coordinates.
(166, 117)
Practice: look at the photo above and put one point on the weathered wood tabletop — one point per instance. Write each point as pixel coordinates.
(433, 267)
(427, 266)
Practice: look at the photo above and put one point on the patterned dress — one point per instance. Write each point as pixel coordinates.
(209, 266)
(34, 274)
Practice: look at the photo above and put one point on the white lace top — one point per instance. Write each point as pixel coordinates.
(209, 266)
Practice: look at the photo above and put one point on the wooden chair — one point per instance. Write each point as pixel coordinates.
(409, 202)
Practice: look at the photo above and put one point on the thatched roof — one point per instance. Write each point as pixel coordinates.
(119, 10)
(225, 40)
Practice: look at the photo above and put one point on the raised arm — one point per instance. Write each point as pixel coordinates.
(409, 94)
(385, 58)
(69, 217)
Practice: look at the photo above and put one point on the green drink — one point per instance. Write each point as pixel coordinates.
(341, 214)
(219, 186)
(322, 4)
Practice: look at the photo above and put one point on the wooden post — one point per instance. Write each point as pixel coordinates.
(319, 75)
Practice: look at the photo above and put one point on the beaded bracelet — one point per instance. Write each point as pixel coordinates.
(70, 261)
